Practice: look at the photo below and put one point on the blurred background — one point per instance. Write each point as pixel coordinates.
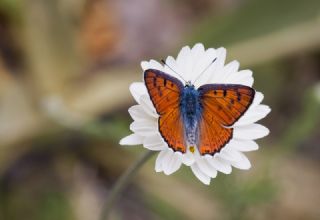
(65, 69)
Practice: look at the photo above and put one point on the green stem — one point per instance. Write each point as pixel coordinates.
(122, 182)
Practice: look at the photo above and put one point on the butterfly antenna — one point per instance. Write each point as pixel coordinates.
(164, 62)
(205, 70)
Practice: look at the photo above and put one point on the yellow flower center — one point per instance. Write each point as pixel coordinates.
(191, 149)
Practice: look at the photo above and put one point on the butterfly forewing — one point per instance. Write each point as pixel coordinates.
(165, 91)
(222, 106)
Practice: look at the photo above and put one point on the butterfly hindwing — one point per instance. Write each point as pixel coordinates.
(222, 106)
(212, 136)
(164, 92)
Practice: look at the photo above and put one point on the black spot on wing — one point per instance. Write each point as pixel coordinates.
(154, 81)
(238, 96)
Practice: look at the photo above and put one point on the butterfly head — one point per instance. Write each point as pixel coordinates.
(189, 84)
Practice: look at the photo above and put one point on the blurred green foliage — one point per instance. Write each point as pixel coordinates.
(254, 18)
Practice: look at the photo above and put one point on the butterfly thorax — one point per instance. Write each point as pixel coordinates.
(190, 107)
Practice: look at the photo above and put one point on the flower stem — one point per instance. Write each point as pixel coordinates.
(122, 182)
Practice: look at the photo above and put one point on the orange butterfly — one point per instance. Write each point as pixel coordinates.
(190, 117)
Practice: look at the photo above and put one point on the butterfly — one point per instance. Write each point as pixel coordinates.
(190, 117)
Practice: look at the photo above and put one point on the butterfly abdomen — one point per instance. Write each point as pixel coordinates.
(191, 111)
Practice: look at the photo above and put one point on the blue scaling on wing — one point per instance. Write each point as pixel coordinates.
(191, 109)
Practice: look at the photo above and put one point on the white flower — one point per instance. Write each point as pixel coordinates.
(190, 63)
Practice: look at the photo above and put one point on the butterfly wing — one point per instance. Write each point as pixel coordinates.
(164, 91)
(223, 105)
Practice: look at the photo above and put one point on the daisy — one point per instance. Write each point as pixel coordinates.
(196, 65)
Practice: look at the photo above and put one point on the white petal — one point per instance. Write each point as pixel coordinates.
(229, 154)
(159, 160)
(243, 163)
(138, 89)
(253, 115)
(188, 158)
(221, 55)
(147, 105)
(170, 61)
(153, 64)
(154, 142)
(250, 132)
(200, 75)
(206, 168)
(197, 51)
(258, 97)
(184, 62)
(166, 160)
(172, 163)
(137, 113)
(263, 109)
(218, 66)
(220, 164)
(243, 145)
(221, 58)
(232, 67)
(200, 175)
(243, 77)
(144, 128)
(229, 72)
(145, 65)
(183, 54)
(132, 139)
(246, 81)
